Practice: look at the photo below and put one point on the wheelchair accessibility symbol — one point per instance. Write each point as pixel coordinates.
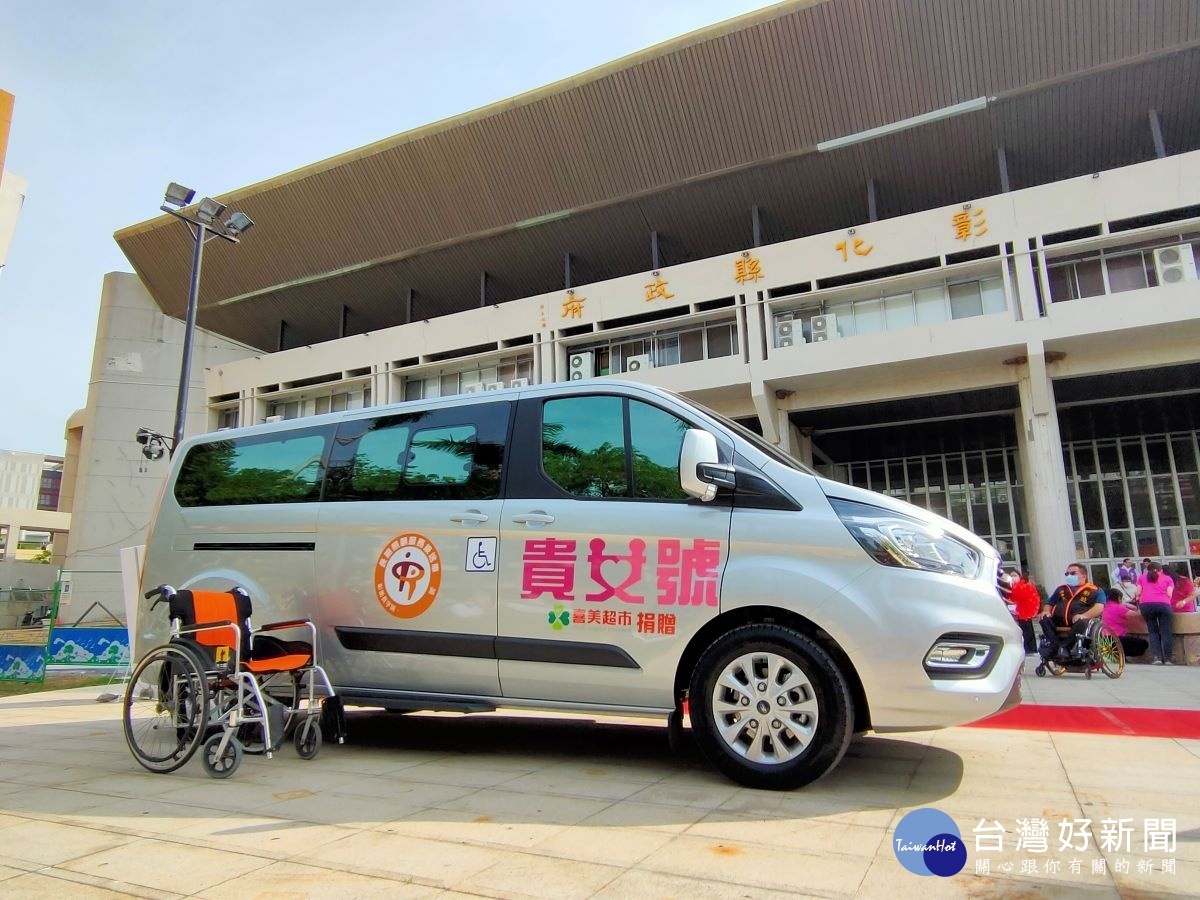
(481, 554)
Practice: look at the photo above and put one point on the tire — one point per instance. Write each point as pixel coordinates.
(1040, 671)
(1112, 654)
(770, 708)
(307, 738)
(227, 762)
(165, 708)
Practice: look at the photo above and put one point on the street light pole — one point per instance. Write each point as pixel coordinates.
(189, 328)
(204, 225)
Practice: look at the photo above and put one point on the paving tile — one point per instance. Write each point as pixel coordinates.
(638, 885)
(507, 806)
(468, 827)
(40, 885)
(295, 881)
(541, 877)
(52, 843)
(437, 863)
(667, 818)
(738, 864)
(806, 835)
(455, 773)
(259, 835)
(165, 866)
(622, 847)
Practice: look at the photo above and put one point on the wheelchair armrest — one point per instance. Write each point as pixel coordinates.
(279, 626)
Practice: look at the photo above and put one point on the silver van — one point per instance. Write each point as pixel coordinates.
(596, 546)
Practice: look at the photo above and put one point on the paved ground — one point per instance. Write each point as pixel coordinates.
(531, 806)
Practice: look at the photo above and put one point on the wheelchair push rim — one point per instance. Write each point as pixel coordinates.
(165, 708)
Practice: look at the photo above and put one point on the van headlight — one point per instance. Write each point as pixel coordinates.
(893, 539)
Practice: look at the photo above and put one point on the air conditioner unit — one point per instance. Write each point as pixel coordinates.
(519, 382)
(493, 385)
(476, 388)
(824, 328)
(638, 363)
(1175, 264)
(270, 419)
(579, 365)
(786, 332)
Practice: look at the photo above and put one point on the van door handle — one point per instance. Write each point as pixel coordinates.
(471, 516)
(533, 518)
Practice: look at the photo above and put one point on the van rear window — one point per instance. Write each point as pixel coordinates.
(276, 468)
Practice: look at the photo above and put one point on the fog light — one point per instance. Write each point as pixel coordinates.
(959, 655)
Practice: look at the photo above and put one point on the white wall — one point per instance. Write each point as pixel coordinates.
(12, 197)
(134, 383)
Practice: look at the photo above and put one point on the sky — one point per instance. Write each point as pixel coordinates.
(116, 98)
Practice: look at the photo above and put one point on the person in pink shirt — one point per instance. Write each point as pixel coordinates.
(1155, 606)
(1116, 612)
(1183, 600)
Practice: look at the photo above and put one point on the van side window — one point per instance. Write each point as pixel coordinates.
(657, 438)
(612, 447)
(447, 454)
(276, 468)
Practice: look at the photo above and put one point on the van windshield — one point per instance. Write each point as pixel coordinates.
(755, 440)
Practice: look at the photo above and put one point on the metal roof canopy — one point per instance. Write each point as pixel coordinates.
(684, 139)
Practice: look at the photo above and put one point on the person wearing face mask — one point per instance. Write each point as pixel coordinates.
(1155, 607)
(1070, 605)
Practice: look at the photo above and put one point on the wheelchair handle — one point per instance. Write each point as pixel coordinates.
(164, 592)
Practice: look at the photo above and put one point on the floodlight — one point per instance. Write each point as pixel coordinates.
(178, 195)
(210, 210)
(239, 223)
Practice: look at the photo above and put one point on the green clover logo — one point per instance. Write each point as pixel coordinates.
(558, 618)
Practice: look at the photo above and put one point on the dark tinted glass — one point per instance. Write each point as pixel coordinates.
(278, 468)
(443, 454)
(583, 446)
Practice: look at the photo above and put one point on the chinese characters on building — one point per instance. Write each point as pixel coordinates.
(969, 223)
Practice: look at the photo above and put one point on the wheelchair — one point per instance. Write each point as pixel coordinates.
(224, 688)
(1097, 649)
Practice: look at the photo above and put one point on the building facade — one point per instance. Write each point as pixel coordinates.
(107, 484)
(1024, 363)
(945, 251)
(12, 186)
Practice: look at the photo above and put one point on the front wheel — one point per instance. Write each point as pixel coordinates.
(770, 708)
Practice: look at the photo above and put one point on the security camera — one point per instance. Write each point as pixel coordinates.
(154, 445)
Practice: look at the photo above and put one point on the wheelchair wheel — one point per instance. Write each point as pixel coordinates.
(1040, 671)
(307, 738)
(165, 708)
(220, 764)
(1112, 654)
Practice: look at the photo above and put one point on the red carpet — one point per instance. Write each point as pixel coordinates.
(1168, 723)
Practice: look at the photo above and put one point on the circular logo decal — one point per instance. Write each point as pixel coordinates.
(408, 575)
(927, 842)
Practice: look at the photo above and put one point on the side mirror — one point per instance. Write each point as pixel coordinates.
(700, 470)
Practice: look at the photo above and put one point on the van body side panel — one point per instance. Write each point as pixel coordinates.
(644, 577)
(354, 547)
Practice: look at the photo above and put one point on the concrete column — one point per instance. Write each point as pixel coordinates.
(1052, 543)
(1026, 284)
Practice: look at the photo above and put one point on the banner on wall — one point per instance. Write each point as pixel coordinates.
(89, 647)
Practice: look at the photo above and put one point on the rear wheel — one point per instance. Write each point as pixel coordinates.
(1112, 654)
(165, 708)
(770, 708)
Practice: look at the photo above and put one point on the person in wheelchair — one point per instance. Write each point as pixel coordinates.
(1071, 607)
